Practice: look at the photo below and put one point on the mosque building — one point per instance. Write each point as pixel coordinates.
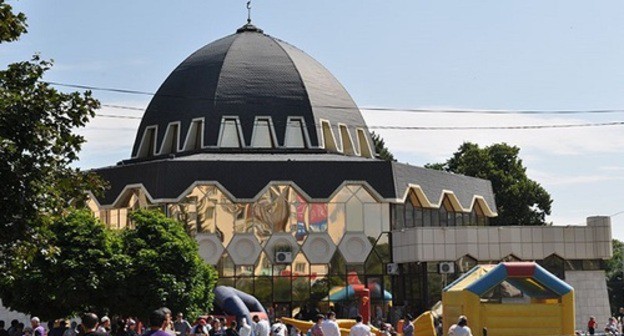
(267, 160)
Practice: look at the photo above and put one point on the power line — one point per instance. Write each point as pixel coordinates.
(122, 107)
(388, 109)
(96, 88)
(113, 116)
(478, 111)
(382, 109)
(521, 127)
(435, 128)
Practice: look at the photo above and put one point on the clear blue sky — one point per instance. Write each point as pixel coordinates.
(508, 55)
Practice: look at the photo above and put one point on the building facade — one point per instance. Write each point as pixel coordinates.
(266, 159)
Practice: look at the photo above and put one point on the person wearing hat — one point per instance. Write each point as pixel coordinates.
(104, 326)
(199, 328)
(461, 328)
(131, 327)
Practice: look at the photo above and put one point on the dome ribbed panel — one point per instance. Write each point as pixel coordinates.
(259, 79)
(188, 92)
(329, 99)
(248, 75)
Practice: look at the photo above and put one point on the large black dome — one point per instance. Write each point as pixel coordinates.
(246, 86)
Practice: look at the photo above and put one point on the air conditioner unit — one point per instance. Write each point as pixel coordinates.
(446, 267)
(283, 257)
(392, 269)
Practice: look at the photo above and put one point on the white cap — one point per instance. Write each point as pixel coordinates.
(35, 319)
(104, 319)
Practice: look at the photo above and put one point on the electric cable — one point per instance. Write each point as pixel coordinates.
(369, 108)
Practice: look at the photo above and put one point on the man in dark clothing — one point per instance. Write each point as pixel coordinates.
(89, 325)
(58, 328)
(231, 331)
(181, 326)
(3, 332)
(131, 328)
(14, 329)
(158, 321)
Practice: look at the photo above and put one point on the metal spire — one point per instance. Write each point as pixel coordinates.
(249, 12)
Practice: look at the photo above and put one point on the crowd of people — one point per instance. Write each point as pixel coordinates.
(613, 327)
(161, 323)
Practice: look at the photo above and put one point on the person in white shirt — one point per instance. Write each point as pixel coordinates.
(104, 326)
(278, 328)
(360, 329)
(261, 327)
(245, 328)
(329, 325)
(461, 328)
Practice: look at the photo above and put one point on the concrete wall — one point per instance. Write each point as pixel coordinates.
(590, 295)
(591, 241)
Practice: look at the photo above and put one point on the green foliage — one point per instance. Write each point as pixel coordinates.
(519, 200)
(166, 269)
(11, 25)
(86, 267)
(615, 265)
(72, 273)
(37, 147)
(319, 290)
(381, 149)
(57, 261)
(614, 269)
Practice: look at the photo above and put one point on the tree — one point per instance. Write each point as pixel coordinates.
(381, 149)
(87, 267)
(11, 25)
(76, 272)
(519, 200)
(56, 261)
(166, 269)
(38, 144)
(614, 269)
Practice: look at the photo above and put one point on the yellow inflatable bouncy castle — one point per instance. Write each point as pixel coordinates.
(423, 325)
(510, 299)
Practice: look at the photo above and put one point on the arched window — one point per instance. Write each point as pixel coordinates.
(446, 213)
(295, 134)
(172, 139)
(148, 143)
(263, 135)
(347, 143)
(364, 145)
(230, 135)
(328, 137)
(555, 265)
(194, 135)
(476, 217)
